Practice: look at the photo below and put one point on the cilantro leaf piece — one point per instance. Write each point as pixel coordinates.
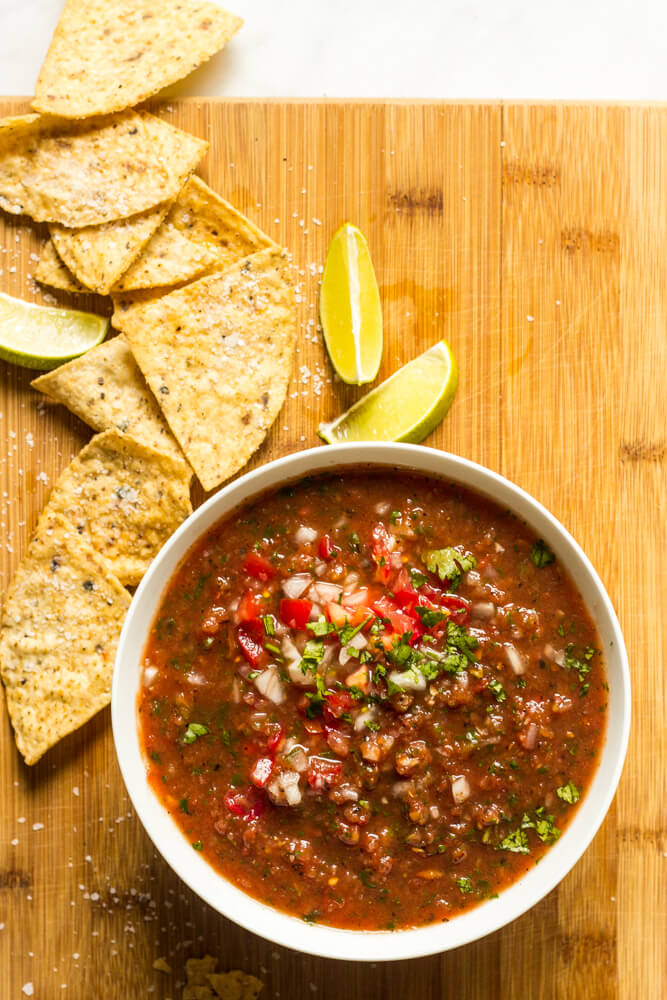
(430, 616)
(417, 578)
(541, 554)
(316, 698)
(498, 690)
(321, 626)
(449, 563)
(194, 731)
(312, 655)
(348, 632)
(459, 639)
(546, 829)
(516, 842)
(465, 884)
(583, 665)
(269, 626)
(569, 793)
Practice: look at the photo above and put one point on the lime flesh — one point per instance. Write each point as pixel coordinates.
(406, 407)
(43, 337)
(350, 308)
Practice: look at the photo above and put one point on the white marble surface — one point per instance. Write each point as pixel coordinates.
(594, 49)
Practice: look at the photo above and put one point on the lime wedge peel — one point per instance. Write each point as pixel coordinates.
(350, 307)
(43, 337)
(405, 407)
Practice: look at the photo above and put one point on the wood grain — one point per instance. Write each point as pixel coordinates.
(532, 237)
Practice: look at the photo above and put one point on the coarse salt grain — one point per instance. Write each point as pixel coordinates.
(28, 989)
(38, 826)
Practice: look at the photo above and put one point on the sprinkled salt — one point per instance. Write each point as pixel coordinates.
(38, 826)
(28, 989)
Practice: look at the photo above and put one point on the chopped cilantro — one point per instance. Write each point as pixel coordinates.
(269, 626)
(417, 578)
(465, 884)
(449, 564)
(544, 826)
(271, 647)
(394, 516)
(198, 846)
(312, 655)
(430, 616)
(581, 665)
(194, 731)
(498, 690)
(321, 626)
(316, 698)
(367, 879)
(516, 842)
(541, 554)
(348, 632)
(312, 917)
(569, 793)
(184, 807)
(354, 542)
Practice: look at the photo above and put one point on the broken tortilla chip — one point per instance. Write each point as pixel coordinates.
(62, 619)
(106, 56)
(197, 969)
(125, 499)
(95, 171)
(217, 355)
(235, 985)
(53, 272)
(217, 234)
(106, 390)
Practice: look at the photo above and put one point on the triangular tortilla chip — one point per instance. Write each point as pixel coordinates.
(53, 272)
(106, 390)
(124, 499)
(96, 256)
(217, 355)
(213, 227)
(197, 969)
(63, 615)
(95, 171)
(106, 56)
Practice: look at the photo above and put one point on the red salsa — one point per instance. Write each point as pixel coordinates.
(372, 700)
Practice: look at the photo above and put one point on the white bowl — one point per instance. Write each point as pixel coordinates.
(332, 942)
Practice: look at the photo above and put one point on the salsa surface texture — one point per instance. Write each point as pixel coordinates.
(372, 700)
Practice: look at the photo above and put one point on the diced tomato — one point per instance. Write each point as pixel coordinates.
(458, 606)
(340, 615)
(404, 593)
(249, 607)
(399, 620)
(339, 702)
(381, 549)
(261, 771)
(323, 773)
(246, 803)
(312, 726)
(295, 612)
(250, 647)
(326, 548)
(258, 567)
(275, 733)
(213, 621)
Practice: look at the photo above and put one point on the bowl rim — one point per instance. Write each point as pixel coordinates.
(321, 939)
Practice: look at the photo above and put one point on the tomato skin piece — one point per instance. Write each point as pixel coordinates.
(258, 567)
(261, 771)
(275, 736)
(295, 611)
(326, 549)
(249, 607)
(245, 803)
(323, 773)
(399, 620)
(250, 647)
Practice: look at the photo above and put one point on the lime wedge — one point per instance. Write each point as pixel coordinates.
(350, 308)
(406, 407)
(42, 336)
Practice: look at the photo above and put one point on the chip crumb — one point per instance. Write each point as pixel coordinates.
(162, 965)
(28, 989)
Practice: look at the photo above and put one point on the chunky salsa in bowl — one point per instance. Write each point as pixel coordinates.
(372, 699)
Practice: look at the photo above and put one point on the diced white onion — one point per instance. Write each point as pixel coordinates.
(320, 567)
(434, 811)
(460, 789)
(324, 592)
(150, 673)
(289, 782)
(351, 581)
(357, 641)
(382, 508)
(357, 597)
(400, 788)
(297, 676)
(530, 739)
(515, 659)
(303, 535)
(409, 680)
(297, 759)
(484, 610)
(236, 691)
(315, 612)
(295, 586)
(269, 684)
(328, 655)
(364, 717)
(396, 560)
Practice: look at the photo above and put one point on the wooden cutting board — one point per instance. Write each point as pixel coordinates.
(534, 239)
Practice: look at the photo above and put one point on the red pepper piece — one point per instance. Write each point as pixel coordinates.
(245, 802)
(249, 607)
(381, 547)
(323, 773)
(250, 647)
(258, 567)
(295, 611)
(261, 771)
(326, 548)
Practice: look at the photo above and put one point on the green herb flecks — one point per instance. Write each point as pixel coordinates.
(194, 731)
(569, 793)
(516, 842)
(582, 665)
(541, 554)
(465, 884)
(497, 689)
(449, 564)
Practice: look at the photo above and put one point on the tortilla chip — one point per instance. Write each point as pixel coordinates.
(219, 232)
(197, 969)
(125, 499)
(106, 56)
(51, 271)
(106, 390)
(126, 305)
(98, 255)
(198, 993)
(95, 171)
(63, 615)
(217, 355)
(236, 985)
